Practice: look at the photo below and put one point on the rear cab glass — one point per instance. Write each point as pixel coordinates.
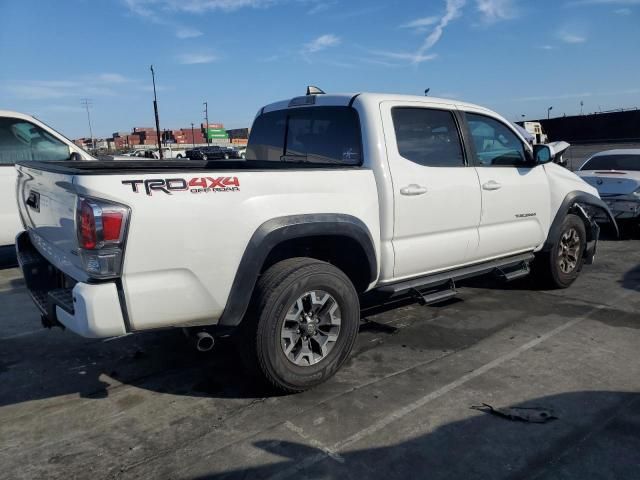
(312, 135)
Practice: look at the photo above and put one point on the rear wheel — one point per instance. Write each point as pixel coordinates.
(559, 267)
(302, 324)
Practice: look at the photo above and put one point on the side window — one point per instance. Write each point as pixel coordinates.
(428, 137)
(496, 144)
(22, 141)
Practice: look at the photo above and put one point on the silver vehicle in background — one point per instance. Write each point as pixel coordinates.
(616, 175)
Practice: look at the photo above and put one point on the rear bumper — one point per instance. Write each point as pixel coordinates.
(90, 310)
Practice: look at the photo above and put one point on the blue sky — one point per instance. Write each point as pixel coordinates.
(515, 56)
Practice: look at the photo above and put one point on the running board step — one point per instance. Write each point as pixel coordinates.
(438, 279)
(438, 296)
(511, 274)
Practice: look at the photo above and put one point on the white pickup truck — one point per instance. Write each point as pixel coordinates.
(339, 195)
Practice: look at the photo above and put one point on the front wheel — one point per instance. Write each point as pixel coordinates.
(302, 325)
(559, 267)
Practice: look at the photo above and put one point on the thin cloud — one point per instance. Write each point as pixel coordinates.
(421, 23)
(112, 78)
(452, 11)
(196, 58)
(496, 10)
(146, 8)
(160, 12)
(572, 38)
(101, 84)
(321, 43)
(319, 6)
(623, 11)
(406, 56)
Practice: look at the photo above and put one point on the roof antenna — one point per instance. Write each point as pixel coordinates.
(311, 90)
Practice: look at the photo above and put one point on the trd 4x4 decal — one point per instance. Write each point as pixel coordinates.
(194, 185)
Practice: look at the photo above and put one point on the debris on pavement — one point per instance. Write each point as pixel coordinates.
(519, 414)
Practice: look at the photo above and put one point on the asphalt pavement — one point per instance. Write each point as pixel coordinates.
(150, 406)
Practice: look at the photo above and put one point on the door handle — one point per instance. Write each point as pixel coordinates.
(413, 190)
(491, 185)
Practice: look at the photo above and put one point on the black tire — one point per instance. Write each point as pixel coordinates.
(558, 267)
(276, 293)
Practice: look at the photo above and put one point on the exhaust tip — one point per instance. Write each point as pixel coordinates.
(204, 341)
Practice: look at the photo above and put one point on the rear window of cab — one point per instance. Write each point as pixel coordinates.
(314, 135)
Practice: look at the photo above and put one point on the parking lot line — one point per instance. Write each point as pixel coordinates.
(22, 334)
(407, 409)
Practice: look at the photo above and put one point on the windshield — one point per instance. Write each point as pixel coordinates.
(613, 162)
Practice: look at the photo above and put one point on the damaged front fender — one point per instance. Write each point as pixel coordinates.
(588, 207)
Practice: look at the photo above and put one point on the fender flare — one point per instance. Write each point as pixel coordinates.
(278, 230)
(572, 199)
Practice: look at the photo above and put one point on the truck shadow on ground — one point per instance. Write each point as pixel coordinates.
(596, 435)
(631, 279)
(46, 364)
(49, 363)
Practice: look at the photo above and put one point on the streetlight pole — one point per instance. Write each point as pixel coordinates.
(193, 136)
(206, 119)
(549, 112)
(155, 109)
(86, 103)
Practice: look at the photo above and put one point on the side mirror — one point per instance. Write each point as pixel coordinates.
(75, 157)
(542, 154)
(549, 152)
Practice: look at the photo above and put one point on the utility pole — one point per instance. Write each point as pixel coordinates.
(155, 109)
(581, 107)
(206, 119)
(549, 112)
(86, 103)
(193, 136)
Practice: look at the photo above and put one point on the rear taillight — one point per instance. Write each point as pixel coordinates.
(101, 230)
(112, 226)
(86, 226)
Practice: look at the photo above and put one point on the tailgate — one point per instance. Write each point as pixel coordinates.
(47, 206)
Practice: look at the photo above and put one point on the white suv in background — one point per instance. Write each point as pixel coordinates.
(24, 138)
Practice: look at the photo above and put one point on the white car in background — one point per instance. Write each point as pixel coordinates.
(616, 175)
(24, 138)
